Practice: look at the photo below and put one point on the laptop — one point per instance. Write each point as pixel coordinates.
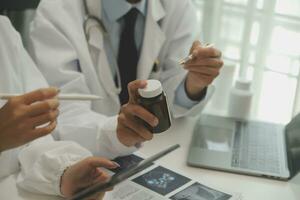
(246, 147)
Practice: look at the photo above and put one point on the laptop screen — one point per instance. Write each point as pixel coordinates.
(292, 134)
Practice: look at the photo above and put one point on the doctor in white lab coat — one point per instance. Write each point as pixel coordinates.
(77, 56)
(46, 166)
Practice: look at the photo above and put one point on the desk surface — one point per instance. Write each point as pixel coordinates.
(250, 187)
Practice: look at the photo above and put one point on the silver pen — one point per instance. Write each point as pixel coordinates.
(65, 97)
(190, 57)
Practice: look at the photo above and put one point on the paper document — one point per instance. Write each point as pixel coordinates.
(160, 183)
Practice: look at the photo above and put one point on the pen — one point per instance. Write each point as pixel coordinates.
(70, 97)
(190, 57)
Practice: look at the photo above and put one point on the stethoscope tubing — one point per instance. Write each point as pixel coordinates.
(106, 37)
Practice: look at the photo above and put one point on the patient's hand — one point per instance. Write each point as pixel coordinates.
(84, 174)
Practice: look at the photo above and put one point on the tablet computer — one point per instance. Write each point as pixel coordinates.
(122, 175)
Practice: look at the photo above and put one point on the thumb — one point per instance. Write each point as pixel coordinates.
(133, 89)
(96, 162)
(195, 45)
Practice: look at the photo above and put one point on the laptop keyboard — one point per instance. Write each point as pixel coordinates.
(256, 147)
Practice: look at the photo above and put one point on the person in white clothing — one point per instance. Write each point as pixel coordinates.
(99, 46)
(45, 166)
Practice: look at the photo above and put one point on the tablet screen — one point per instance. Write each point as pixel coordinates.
(122, 175)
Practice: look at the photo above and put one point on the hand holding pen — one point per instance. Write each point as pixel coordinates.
(27, 117)
(203, 65)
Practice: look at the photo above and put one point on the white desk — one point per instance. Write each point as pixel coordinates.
(250, 187)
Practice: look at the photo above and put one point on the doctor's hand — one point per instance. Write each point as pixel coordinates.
(21, 117)
(84, 174)
(202, 69)
(130, 129)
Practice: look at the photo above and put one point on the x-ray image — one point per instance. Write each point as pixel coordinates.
(198, 191)
(161, 180)
(126, 162)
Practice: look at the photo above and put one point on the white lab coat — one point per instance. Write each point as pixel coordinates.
(42, 161)
(75, 63)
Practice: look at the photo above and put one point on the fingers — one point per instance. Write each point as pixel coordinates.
(140, 112)
(195, 45)
(104, 177)
(42, 107)
(131, 129)
(204, 52)
(101, 162)
(205, 71)
(40, 132)
(133, 89)
(97, 172)
(202, 77)
(44, 118)
(136, 127)
(199, 51)
(128, 137)
(39, 95)
(209, 62)
(203, 68)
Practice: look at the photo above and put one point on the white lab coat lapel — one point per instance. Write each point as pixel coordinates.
(154, 38)
(96, 45)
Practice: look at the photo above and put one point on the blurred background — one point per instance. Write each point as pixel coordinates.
(260, 40)
(262, 37)
(20, 12)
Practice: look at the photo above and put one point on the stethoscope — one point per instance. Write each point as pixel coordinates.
(107, 42)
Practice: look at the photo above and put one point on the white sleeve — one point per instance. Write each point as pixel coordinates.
(183, 36)
(110, 143)
(91, 130)
(77, 121)
(43, 163)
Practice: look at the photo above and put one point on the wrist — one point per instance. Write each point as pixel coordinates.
(194, 92)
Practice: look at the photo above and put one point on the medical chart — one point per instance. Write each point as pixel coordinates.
(160, 183)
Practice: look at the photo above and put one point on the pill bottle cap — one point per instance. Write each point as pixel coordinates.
(153, 89)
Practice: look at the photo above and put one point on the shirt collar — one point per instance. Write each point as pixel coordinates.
(115, 9)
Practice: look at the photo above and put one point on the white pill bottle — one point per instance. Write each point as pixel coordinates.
(240, 100)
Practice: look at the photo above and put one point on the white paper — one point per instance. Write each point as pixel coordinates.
(158, 182)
